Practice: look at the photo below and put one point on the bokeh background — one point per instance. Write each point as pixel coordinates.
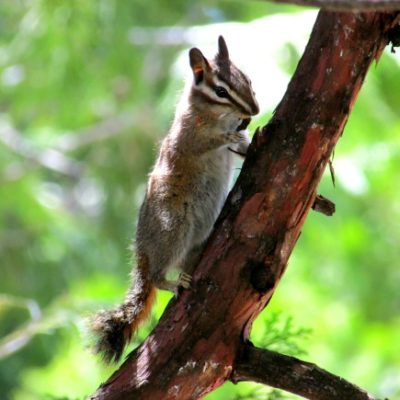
(87, 90)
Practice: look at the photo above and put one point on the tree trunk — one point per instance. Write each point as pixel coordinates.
(201, 335)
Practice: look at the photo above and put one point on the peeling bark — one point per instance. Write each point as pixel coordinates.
(193, 349)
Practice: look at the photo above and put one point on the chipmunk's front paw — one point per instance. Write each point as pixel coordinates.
(238, 137)
(185, 280)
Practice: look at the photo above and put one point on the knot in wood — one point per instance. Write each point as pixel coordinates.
(394, 37)
(261, 278)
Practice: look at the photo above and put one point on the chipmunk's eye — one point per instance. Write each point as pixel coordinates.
(221, 91)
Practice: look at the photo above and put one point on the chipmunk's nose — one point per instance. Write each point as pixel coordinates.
(255, 108)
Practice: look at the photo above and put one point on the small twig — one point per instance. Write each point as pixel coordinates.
(97, 132)
(324, 205)
(49, 158)
(18, 339)
(293, 375)
(54, 157)
(332, 169)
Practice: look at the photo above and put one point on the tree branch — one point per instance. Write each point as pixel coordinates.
(347, 5)
(49, 158)
(102, 130)
(193, 348)
(293, 375)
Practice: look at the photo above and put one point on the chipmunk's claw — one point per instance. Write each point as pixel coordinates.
(185, 280)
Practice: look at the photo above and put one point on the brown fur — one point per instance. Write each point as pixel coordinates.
(185, 192)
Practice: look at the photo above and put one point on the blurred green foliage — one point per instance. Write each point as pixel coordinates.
(82, 107)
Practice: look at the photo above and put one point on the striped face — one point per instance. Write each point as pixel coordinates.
(220, 82)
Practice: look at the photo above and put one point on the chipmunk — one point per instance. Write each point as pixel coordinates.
(185, 191)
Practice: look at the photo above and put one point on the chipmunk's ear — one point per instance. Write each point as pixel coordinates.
(199, 64)
(223, 53)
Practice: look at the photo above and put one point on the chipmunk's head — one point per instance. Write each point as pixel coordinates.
(221, 83)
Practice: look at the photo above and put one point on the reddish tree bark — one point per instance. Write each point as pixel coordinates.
(293, 375)
(194, 347)
(348, 5)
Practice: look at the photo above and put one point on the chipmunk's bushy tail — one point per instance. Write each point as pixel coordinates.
(114, 329)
